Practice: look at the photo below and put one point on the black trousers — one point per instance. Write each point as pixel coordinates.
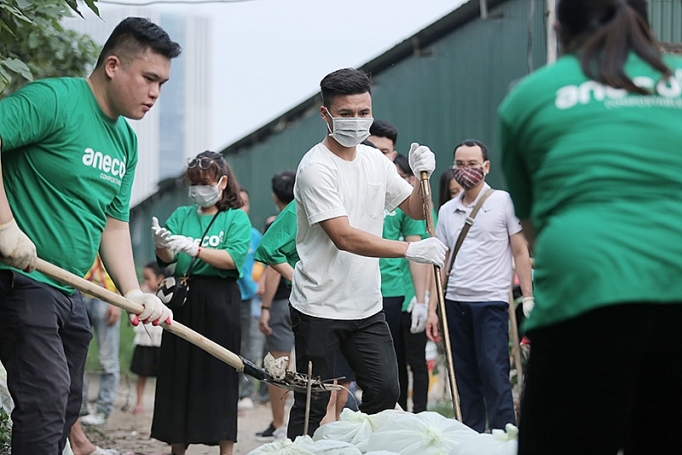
(610, 379)
(367, 346)
(410, 349)
(44, 338)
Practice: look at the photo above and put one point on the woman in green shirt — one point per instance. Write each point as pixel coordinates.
(197, 393)
(592, 151)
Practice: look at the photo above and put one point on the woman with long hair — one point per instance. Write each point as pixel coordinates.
(196, 394)
(592, 152)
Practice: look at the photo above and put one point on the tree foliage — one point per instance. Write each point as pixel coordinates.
(35, 45)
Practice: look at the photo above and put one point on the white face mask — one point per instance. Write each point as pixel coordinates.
(205, 195)
(349, 132)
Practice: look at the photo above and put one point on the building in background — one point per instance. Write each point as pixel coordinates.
(179, 125)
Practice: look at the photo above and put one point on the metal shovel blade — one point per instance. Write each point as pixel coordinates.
(292, 381)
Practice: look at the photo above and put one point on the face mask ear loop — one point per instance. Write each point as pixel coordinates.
(329, 114)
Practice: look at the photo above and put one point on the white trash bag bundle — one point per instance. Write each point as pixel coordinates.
(426, 433)
(500, 442)
(381, 452)
(355, 427)
(304, 445)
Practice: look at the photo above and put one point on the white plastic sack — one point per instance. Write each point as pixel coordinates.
(381, 452)
(500, 442)
(5, 398)
(326, 447)
(426, 433)
(281, 447)
(354, 427)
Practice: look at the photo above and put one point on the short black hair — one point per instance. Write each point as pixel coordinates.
(402, 162)
(346, 81)
(472, 143)
(383, 128)
(133, 36)
(283, 185)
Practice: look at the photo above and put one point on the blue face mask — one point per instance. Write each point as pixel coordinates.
(205, 195)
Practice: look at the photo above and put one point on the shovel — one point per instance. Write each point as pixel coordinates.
(291, 381)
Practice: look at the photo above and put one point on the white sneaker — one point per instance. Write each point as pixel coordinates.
(280, 433)
(98, 418)
(245, 403)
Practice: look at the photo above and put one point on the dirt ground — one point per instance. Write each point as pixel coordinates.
(129, 433)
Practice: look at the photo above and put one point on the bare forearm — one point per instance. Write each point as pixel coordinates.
(219, 259)
(272, 279)
(522, 262)
(164, 254)
(5, 210)
(117, 255)
(284, 269)
(413, 206)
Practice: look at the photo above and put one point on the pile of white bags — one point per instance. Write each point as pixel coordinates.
(396, 433)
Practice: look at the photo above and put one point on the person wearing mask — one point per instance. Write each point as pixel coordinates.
(342, 189)
(591, 153)
(477, 283)
(68, 161)
(214, 233)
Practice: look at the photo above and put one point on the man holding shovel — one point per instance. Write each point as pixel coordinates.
(342, 189)
(68, 158)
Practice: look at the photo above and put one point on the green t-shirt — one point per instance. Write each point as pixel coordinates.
(66, 167)
(278, 244)
(231, 232)
(598, 172)
(395, 272)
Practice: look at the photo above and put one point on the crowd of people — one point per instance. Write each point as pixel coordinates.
(590, 148)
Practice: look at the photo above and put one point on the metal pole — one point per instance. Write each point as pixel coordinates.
(307, 398)
(428, 208)
(551, 32)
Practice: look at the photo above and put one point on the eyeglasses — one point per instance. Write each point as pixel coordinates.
(203, 163)
(462, 164)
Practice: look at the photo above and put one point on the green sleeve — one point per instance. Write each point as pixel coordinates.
(278, 244)
(29, 115)
(238, 237)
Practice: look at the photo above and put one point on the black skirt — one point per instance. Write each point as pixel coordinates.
(197, 394)
(145, 361)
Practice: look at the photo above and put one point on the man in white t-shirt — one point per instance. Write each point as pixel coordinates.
(342, 189)
(477, 293)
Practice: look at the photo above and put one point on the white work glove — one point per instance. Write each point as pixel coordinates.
(528, 303)
(421, 159)
(420, 314)
(159, 234)
(154, 311)
(184, 244)
(16, 249)
(427, 251)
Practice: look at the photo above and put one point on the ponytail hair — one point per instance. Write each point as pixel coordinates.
(603, 33)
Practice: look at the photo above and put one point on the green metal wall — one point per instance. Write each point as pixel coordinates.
(447, 93)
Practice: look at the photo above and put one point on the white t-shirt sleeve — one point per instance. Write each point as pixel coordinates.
(319, 194)
(397, 189)
(513, 223)
(441, 228)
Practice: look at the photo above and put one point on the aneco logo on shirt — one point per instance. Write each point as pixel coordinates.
(666, 93)
(112, 169)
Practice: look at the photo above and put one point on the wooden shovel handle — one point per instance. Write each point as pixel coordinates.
(443, 322)
(175, 328)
